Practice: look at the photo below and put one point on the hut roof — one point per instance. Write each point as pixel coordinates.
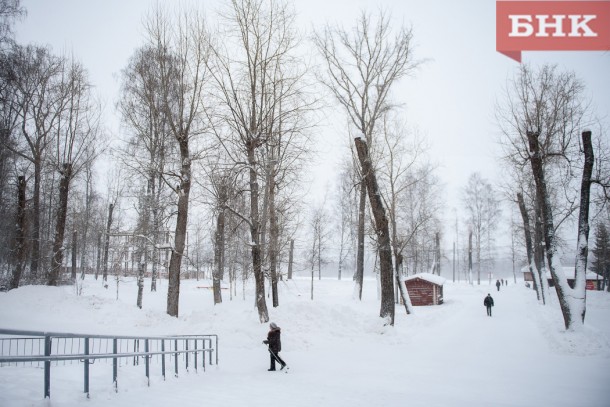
(569, 272)
(433, 278)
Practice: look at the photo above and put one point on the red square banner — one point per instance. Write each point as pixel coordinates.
(552, 26)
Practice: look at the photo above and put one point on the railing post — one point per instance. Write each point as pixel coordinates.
(47, 367)
(115, 369)
(147, 362)
(86, 389)
(176, 357)
(186, 355)
(195, 353)
(203, 344)
(136, 348)
(163, 358)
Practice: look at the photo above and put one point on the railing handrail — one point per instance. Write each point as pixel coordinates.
(209, 345)
(35, 334)
(83, 356)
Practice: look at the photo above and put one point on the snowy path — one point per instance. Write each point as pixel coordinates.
(340, 355)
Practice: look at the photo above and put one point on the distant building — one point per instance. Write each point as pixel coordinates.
(594, 280)
(425, 289)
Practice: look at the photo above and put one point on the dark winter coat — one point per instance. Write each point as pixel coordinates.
(488, 301)
(274, 341)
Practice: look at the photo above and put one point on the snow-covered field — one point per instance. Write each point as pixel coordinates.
(338, 351)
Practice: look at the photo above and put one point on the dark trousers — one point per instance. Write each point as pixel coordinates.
(274, 357)
(489, 310)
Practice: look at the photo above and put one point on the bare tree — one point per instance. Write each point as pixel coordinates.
(344, 209)
(10, 10)
(78, 129)
(318, 224)
(260, 100)
(149, 149)
(536, 277)
(543, 111)
(571, 300)
(482, 209)
(362, 65)
(34, 93)
(19, 245)
(221, 186)
(403, 170)
(181, 49)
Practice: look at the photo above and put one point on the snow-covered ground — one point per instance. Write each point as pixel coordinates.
(338, 351)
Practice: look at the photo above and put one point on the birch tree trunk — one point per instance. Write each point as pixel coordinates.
(382, 230)
(539, 261)
(20, 249)
(359, 275)
(528, 244)
(60, 225)
(259, 278)
(218, 255)
(273, 240)
(175, 262)
(74, 250)
(582, 245)
(107, 243)
(571, 301)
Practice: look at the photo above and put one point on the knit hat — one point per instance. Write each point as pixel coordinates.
(273, 325)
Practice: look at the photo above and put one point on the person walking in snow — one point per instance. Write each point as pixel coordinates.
(488, 302)
(275, 346)
(498, 284)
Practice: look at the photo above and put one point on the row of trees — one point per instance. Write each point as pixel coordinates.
(50, 126)
(220, 118)
(230, 119)
(555, 173)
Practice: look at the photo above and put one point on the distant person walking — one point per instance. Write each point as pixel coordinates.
(488, 302)
(498, 284)
(275, 346)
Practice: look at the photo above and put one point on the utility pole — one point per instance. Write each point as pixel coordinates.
(470, 257)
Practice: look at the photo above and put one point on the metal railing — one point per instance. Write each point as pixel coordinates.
(48, 349)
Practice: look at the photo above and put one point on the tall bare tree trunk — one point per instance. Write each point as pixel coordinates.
(582, 244)
(359, 275)
(528, 244)
(141, 268)
(20, 249)
(74, 250)
(84, 261)
(155, 192)
(60, 225)
(35, 259)
(290, 258)
(438, 253)
(107, 243)
(175, 261)
(539, 248)
(383, 232)
(99, 254)
(219, 248)
(470, 257)
(259, 278)
(561, 285)
(273, 240)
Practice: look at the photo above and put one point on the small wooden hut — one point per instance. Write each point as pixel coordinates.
(425, 289)
(594, 281)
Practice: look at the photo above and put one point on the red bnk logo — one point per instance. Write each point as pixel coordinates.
(552, 26)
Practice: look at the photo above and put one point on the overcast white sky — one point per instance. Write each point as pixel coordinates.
(450, 99)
